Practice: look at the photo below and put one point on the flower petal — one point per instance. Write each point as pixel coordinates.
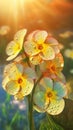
(51, 41)
(60, 89)
(39, 109)
(56, 49)
(12, 87)
(59, 61)
(10, 48)
(48, 53)
(12, 57)
(60, 77)
(19, 36)
(14, 70)
(31, 35)
(18, 59)
(39, 100)
(40, 36)
(4, 82)
(30, 73)
(7, 69)
(56, 107)
(30, 48)
(35, 59)
(48, 82)
(27, 86)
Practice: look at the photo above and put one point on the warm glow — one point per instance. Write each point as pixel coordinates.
(31, 14)
(11, 8)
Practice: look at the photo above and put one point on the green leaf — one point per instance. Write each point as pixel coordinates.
(50, 124)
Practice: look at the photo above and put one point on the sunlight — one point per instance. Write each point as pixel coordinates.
(16, 13)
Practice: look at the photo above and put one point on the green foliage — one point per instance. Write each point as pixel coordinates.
(49, 124)
(3, 44)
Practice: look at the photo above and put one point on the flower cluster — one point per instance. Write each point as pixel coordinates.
(36, 69)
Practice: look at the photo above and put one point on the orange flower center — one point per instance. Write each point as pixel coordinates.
(49, 94)
(20, 80)
(40, 47)
(53, 68)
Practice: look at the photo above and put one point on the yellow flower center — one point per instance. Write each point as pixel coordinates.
(50, 95)
(16, 48)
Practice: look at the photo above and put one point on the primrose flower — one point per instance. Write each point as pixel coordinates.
(15, 46)
(39, 44)
(18, 80)
(69, 53)
(48, 96)
(53, 68)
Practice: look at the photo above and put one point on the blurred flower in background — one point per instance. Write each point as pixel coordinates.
(4, 30)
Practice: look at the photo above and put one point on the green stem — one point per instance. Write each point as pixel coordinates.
(30, 99)
(31, 104)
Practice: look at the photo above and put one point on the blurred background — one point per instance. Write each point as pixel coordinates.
(54, 16)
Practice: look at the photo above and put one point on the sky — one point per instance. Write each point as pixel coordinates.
(37, 14)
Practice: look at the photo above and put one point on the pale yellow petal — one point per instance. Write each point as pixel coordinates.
(19, 36)
(56, 107)
(27, 87)
(12, 57)
(7, 69)
(31, 35)
(40, 36)
(47, 53)
(12, 87)
(10, 48)
(36, 59)
(4, 82)
(16, 71)
(31, 48)
(13, 70)
(30, 72)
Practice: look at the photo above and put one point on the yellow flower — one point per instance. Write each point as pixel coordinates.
(39, 44)
(15, 46)
(69, 53)
(53, 68)
(48, 96)
(18, 81)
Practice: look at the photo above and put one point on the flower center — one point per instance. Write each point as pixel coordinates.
(49, 95)
(20, 80)
(16, 47)
(53, 67)
(40, 47)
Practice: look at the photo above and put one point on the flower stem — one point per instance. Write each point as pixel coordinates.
(32, 127)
